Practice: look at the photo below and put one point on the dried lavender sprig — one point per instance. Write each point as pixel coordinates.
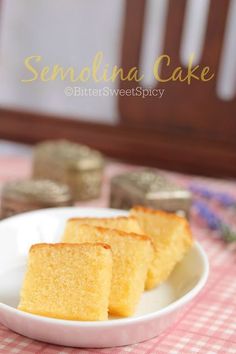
(214, 222)
(223, 198)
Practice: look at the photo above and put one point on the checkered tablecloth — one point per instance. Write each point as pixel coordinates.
(208, 324)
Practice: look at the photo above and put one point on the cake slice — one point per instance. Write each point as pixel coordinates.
(132, 255)
(171, 236)
(122, 223)
(68, 281)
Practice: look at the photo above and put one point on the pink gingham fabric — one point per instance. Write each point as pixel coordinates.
(207, 325)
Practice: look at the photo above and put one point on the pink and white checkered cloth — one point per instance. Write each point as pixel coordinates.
(208, 324)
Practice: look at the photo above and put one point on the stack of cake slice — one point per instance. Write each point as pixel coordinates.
(103, 265)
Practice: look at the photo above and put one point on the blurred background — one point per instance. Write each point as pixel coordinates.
(192, 128)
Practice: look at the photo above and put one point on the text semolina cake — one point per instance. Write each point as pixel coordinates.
(171, 236)
(68, 281)
(122, 223)
(132, 255)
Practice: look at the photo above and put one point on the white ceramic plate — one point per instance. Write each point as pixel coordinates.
(157, 310)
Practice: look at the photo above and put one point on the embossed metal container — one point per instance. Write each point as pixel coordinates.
(25, 195)
(149, 188)
(78, 166)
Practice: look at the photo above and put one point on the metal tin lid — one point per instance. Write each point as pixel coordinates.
(70, 155)
(150, 184)
(43, 192)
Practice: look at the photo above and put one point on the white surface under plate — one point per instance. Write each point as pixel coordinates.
(157, 310)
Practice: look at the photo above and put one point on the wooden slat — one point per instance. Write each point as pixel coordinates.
(174, 29)
(142, 146)
(134, 28)
(214, 36)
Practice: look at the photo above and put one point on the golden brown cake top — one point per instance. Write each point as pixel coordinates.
(70, 245)
(146, 210)
(104, 219)
(125, 234)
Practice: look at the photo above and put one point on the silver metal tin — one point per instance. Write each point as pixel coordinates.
(149, 188)
(25, 195)
(78, 166)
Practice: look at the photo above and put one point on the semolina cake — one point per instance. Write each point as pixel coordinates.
(171, 236)
(132, 255)
(122, 223)
(68, 281)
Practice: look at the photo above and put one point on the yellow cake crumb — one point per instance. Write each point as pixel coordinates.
(171, 236)
(122, 223)
(132, 255)
(68, 281)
